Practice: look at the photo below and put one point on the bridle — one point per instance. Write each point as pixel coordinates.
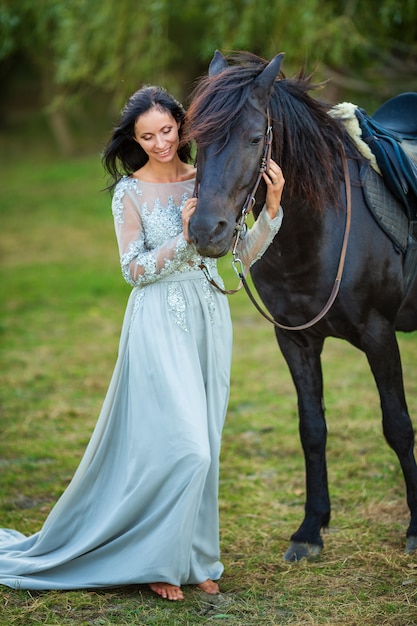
(241, 228)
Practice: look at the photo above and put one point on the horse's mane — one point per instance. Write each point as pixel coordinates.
(217, 101)
(307, 141)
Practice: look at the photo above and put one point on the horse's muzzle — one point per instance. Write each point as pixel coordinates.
(210, 239)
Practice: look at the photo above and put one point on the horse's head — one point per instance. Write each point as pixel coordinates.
(228, 120)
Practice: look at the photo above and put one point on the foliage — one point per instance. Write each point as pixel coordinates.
(62, 299)
(118, 45)
(83, 58)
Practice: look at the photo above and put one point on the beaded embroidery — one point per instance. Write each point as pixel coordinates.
(160, 250)
(209, 296)
(117, 204)
(176, 305)
(138, 299)
(160, 223)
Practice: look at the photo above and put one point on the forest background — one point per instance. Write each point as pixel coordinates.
(67, 66)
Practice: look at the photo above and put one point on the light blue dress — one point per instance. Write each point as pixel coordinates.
(143, 504)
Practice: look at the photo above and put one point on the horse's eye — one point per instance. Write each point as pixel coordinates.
(256, 140)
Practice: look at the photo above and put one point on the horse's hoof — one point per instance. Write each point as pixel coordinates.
(411, 544)
(298, 551)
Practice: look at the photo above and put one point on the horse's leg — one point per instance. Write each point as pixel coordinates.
(304, 362)
(384, 359)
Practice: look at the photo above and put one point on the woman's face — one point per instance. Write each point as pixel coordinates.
(157, 132)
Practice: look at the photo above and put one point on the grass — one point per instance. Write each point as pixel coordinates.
(62, 303)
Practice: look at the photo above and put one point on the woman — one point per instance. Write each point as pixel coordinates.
(142, 506)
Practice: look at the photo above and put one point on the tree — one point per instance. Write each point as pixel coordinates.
(100, 51)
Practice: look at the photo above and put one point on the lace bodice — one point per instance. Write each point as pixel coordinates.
(148, 225)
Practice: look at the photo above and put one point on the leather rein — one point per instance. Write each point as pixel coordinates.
(241, 227)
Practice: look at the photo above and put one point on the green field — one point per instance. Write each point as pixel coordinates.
(62, 304)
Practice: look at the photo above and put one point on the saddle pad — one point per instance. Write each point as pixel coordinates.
(386, 209)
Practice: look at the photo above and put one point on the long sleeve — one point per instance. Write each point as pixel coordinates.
(259, 237)
(142, 260)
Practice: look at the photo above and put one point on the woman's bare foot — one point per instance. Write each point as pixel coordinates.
(209, 586)
(167, 591)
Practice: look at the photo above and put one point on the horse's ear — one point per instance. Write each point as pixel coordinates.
(262, 85)
(217, 64)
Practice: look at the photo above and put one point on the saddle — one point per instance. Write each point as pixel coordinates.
(391, 134)
(388, 141)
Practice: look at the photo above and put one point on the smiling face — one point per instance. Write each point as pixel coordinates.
(156, 131)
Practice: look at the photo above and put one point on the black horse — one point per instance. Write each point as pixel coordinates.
(227, 118)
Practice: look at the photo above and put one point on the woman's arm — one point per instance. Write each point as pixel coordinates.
(260, 236)
(140, 265)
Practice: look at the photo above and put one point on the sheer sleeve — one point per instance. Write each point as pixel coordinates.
(140, 263)
(259, 237)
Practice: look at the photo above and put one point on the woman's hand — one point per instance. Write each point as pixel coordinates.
(275, 184)
(187, 211)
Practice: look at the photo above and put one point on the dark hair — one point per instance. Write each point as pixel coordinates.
(123, 155)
